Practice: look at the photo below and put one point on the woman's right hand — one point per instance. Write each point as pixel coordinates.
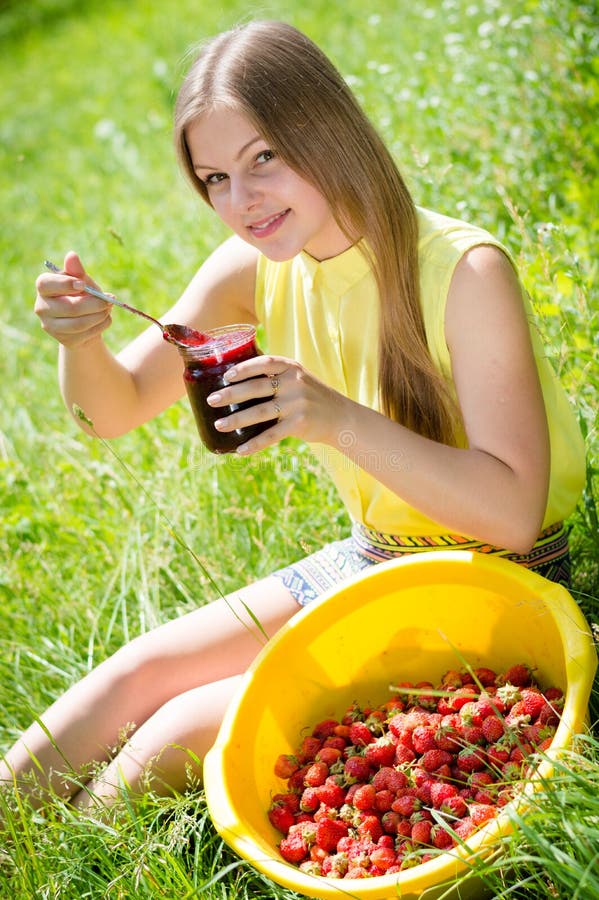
(71, 316)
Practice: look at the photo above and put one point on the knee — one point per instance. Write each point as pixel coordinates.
(132, 671)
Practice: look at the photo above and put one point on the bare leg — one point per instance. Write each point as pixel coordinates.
(190, 722)
(210, 644)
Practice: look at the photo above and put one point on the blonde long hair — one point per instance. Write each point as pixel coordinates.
(300, 104)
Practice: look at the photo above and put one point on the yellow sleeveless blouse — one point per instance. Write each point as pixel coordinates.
(325, 316)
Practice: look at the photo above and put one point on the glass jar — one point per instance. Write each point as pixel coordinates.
(205, 366)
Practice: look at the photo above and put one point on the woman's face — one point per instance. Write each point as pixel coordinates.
(256, 194)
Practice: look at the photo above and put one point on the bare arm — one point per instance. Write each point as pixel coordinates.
(120, 392)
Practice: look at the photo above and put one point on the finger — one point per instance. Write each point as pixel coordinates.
(249, 389)
(65, 325)
(263, 440)
(270, 366)
(58, 285)
(253, 415)
(73, 266)
(57, 300)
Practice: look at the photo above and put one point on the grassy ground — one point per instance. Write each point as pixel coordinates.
(491, 109)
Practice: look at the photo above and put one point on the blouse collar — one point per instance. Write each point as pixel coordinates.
(339, 273)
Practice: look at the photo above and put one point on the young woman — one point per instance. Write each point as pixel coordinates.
(400, 347)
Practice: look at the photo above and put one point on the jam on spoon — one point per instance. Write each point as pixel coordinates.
(180, 335)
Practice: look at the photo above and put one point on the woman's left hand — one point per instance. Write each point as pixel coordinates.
(302, 406)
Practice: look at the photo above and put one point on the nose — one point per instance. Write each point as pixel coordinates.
(244, 194)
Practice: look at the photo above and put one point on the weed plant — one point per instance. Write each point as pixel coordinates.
(491, 110)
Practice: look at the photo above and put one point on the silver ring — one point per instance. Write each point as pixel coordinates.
(274, 383)
(277, 407)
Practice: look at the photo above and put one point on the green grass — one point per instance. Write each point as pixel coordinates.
(491, 109)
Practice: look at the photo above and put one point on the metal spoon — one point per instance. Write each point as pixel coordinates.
(181, 335)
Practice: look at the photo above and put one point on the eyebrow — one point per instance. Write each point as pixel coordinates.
(238, 155)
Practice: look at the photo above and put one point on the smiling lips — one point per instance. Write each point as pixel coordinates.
(268, 226)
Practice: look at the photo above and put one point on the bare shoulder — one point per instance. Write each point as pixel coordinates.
(222, 290)
(484, 290)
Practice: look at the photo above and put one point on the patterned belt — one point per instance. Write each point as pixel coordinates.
(551, 545)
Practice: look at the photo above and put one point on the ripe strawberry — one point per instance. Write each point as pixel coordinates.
(290, 800)
(406, 805)
(451, 678)
(325, 729)
(421, 832)
(423, 738)
(404, 828)
(356, 872)
(440, 837)
(481, 813)
(465, 828)
(328, 755)
(480, 779)
(434, 759)
(460, 697)
(316, 775)
(390, 821)
(370, 826)
(470, 759)
(486, 677)
(310, 800)
(329, 832)
(455, 806)
(520, 753)
(294, 848)
(497, 755)
(440, 791)
(383, 858)
(388, 778)
(331, 793)
(533, 702)
(386, 841)
(286, 765)
(357, 768)
(549, 715)
(404, 755)
(380, 752)
(281, 817)
(520, 675)
(396, 724)
(296, 781)
(365, 797)
(341, 731)
(492, 728)
(308, 749)
(360, 734)
(472, 734)
(383, 800)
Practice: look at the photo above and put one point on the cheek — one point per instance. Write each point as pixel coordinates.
(219, 204)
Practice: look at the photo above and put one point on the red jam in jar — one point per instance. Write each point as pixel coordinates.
(205, 366)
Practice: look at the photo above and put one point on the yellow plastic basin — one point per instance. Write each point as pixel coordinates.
(410, 619)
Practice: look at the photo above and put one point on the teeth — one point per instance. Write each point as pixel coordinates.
(265, 224)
